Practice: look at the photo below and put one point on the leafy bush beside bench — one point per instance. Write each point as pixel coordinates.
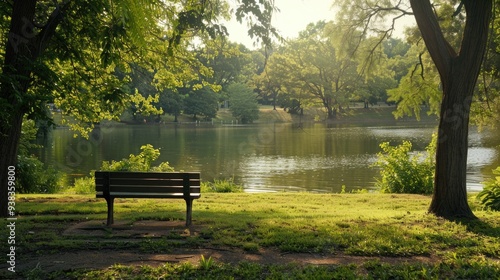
(404, 172)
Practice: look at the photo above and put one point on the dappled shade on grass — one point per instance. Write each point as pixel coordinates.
(354, 225)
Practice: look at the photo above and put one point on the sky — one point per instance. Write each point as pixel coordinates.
(293, 17)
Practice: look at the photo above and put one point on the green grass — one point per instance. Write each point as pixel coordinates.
(366, 225)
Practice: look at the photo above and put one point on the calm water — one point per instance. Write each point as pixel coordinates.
(273, 157)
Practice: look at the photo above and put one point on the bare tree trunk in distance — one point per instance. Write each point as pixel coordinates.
(458, 73)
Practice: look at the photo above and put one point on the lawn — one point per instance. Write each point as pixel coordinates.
(369, 235)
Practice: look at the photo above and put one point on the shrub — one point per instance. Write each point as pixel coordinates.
(140, 162)
(84, 185)
(221, 186)
(490, 195)
(33, 176)
(402, 172)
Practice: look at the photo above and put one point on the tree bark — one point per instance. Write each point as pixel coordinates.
(9, 143)
(16, 75)
(458, 73)
(23, 48)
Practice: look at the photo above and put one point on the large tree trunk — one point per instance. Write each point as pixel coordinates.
(23, 48)
(450, 194)
(16, 74)
(458, 74)
(9, 143)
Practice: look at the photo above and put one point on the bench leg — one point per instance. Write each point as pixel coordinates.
(189, 211)
(110, 201)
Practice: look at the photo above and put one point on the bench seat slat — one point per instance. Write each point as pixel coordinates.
(128, 195)
(148, 195)
(150, 189)
(135, 181)
(146, 175)
(158, 181)
(151, 182)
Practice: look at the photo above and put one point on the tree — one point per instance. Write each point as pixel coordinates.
(316, 65)
(458, 72)
(279, 79)
(67, 52)
(243, 103)
(201, 102)
(172, 103)
(268, 82)
(230, 62)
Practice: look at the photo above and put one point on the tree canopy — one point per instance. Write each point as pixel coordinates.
(457, 48)
(70, 53)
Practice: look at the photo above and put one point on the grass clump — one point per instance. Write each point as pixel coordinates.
(221, 186)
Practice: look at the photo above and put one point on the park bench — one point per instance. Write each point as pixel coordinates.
(118, 184)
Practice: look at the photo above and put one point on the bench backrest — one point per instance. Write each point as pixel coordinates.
(147, 184)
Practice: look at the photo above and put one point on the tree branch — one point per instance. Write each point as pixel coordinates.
(440, 50)
(476, 26)
(49, 29)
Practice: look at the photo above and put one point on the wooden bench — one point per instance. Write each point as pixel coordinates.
(118, 184)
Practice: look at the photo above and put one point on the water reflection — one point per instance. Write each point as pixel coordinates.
(312, 173)
(273, 157)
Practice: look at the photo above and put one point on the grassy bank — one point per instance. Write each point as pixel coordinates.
(355, 114)
(378, 236)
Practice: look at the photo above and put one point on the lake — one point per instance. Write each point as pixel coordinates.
(267, 157)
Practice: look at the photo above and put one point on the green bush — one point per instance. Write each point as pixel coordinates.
(402, 172)
(33, 176)
(221, 186)
(85, 185)
(490, 195)
(140, 162)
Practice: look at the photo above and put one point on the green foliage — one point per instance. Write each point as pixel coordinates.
(171, 103)
(490, 195)
(144, 105)
(28, 136)
(230, 62)
(221, 186)
(85, 185)
(201, 102)
(206, 264)
(343, 190)
(243, 103)
(318, 68)
(32, 175)
(413, 91)
(402, 172)
(140, 162)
